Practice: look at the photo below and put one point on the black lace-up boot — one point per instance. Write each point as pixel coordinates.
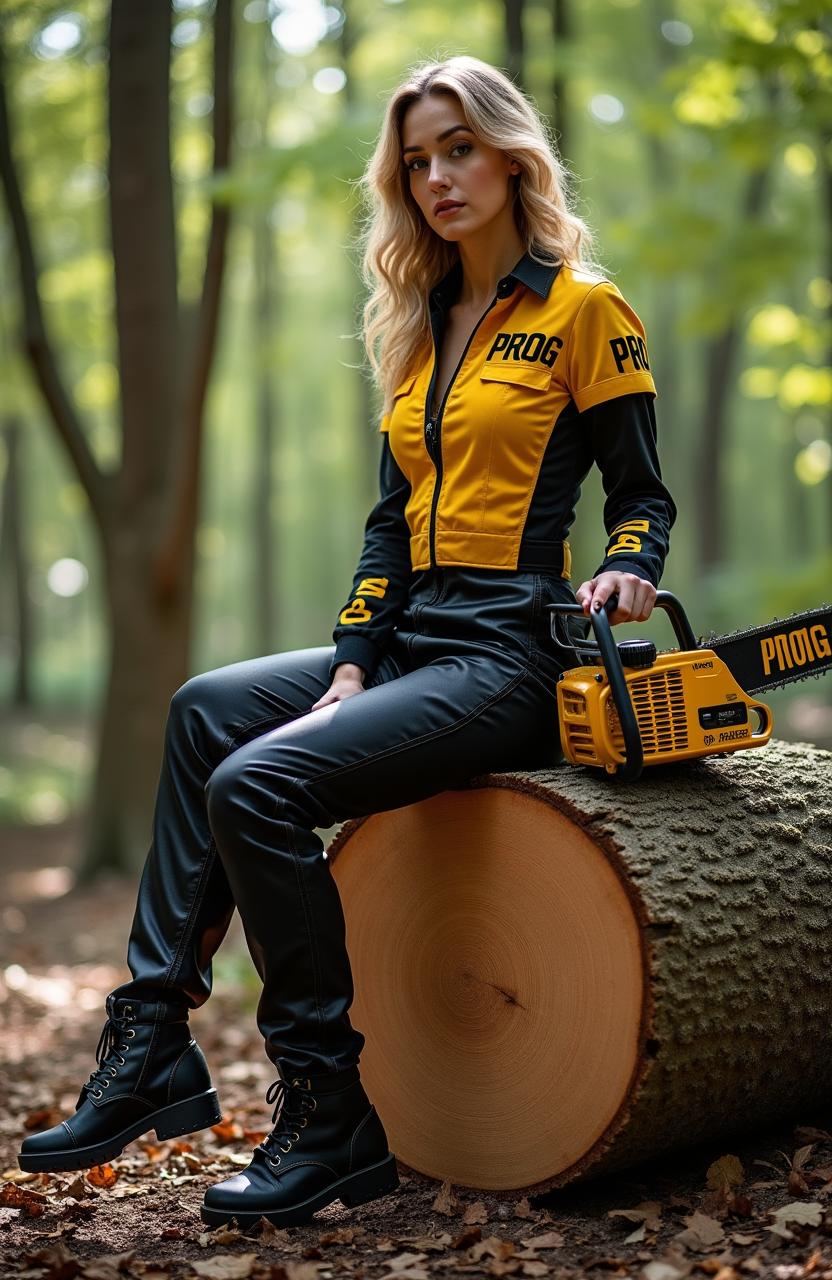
(151, 1075)
(328, 1144)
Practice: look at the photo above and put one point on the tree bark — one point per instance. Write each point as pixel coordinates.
(146, 510)
(561, 34)
(575, 975)
(720, 362)
(515, 56)
(13, 550)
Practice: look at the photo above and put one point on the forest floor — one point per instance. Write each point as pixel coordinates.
(756, 1208)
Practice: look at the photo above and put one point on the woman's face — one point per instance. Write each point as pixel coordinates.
(455, 166)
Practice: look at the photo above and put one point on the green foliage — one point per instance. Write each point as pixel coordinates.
(666, 185)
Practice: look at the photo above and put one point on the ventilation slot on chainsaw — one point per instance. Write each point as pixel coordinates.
(659, 704)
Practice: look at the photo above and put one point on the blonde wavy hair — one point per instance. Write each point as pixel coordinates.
(402, 258)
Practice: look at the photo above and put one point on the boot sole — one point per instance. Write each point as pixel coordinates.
(188, 1116)
(367, 1184)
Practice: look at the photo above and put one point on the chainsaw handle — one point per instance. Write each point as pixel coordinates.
(679, 619)
(664, 600)
(766, 718)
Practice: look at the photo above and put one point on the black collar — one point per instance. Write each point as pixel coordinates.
(536, 275)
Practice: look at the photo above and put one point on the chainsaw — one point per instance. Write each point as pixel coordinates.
(626, 705)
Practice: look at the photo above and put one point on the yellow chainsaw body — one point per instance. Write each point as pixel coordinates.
(687, 704)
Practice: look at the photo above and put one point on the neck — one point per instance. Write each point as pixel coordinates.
(486, 257)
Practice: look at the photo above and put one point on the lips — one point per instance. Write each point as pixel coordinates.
(447, 204)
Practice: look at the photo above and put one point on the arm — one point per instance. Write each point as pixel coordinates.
(639, 511)
(609, 377)
(381, 582)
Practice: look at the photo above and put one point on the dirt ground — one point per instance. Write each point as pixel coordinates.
(759, 1208)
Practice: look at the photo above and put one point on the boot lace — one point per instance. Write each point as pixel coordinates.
(108, 1054)
(293, 1100)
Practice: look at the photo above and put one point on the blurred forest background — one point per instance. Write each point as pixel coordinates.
(189, 440)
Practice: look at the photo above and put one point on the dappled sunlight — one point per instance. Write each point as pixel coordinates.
(44, 882)
(37, 1005)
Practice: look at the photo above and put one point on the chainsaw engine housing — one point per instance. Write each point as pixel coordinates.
(687, 704)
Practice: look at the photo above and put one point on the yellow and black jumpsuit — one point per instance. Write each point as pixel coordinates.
(462, 551)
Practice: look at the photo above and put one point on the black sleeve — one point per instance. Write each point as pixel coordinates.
(381, 582)
(639, 511)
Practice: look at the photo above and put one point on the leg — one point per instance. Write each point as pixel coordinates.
(151, 1074)
(185, 904)
(393, 744)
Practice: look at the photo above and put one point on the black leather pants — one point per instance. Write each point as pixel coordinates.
(467, 686)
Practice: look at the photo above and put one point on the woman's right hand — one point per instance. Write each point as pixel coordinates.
(347, 680)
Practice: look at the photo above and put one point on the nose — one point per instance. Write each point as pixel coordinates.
(436, 176)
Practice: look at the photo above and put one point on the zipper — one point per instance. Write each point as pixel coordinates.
(433, 426)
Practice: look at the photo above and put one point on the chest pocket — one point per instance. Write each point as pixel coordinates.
(534, 376)
(403, 389)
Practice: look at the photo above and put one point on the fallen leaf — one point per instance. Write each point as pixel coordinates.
(495, 1246)
(476, 1212)
(270, 1234)
(227, 1130)
(796, 1184)
(56, 1257)
(466, 1238)
(18, 1176)
(102, 1175)
(44, 1117)
(220, 1235)
(524, 1210)
(806, 1214)
(727, 1171)
(405, 1260)
(801, 1156)
(225, 1266)
(341, 1235)
(649, 1212)
(533, 1268)
(661, 1269)
(549, 1240)
(108, 1266)
(702, 1232)
(446, 1202)
(31, 1203)
(77, 1189)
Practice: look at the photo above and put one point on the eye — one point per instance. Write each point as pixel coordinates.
(411, 168)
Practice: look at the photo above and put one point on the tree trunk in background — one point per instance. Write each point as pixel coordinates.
(719, 365)
(265, 288)
(367, 443)
(13, 554)
(561, 33)
(663, 343)
(515, 55)
(145, 512)
(149, 636)
(263, 480)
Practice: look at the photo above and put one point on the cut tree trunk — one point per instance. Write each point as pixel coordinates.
(559, 976)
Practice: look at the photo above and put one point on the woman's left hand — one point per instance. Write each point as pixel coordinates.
(636, 597)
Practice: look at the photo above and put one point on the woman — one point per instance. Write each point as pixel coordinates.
(507, 368)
